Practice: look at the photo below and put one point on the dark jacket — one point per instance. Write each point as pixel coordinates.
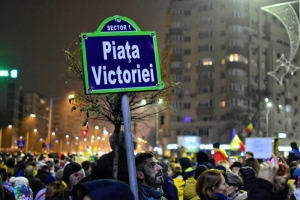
(260, 189)
(169, 188)
(42, 175)
(294, 155)
(104, 168)
(35, 184)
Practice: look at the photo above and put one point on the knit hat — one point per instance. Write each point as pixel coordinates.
(199, 170)
(70, 169)
(15, 181)
(50, 179)
(234, 179)
(221, 167)
(236, 164)
(216, 145)
(104, 189)
(248, 175)
(185, 163)
(202, 157)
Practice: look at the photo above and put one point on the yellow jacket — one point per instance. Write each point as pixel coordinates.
(190, 189)
(179, 183)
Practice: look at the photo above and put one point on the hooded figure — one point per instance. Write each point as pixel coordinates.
(102, 189)
(187, 170)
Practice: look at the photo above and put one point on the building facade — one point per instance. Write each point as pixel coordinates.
(221, 52)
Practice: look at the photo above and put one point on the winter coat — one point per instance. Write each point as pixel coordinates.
(169, 188)
(260, 189)
(42, 175)
(180, 184)
(35, 184)
(104, 168)
(190, 189)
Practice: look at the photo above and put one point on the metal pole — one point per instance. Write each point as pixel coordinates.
(156, 127)
(267, 123)
(27, 141)
(50, 123)
(129, 145)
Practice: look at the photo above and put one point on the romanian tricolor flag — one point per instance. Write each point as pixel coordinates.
(249, 128)
(236, 143)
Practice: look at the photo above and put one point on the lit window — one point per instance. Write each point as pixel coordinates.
(222, 104)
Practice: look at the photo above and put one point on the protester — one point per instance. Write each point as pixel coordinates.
(235, 167)
(72, 174)
(169, 188)
(190, 186)
(211, 185)
(235, 184)
(219, 154)
(248, 155)
(175, 172)
(248, 175)
(57, 190)
(34, 183)
(104, 167)
(187, 168)
(86, 165)
(102, 189)
(294, 154)
(251, 162)
(43, 173)
(41, 194)
(149, 175)
(202, 159)
(21, 188)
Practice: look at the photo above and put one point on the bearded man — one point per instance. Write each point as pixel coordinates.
(150, 177)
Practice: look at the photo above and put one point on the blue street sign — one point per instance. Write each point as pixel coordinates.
(120, 58)
(21, 144)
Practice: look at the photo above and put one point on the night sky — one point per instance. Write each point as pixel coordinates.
(34, 33)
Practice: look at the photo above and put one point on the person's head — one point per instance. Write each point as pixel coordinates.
(34, 164)
(252, 162)
(235, 183)
(28, 171)
(102, 189)
(225, 164)
(57, 190)
(235, 167)
(86, 165)
(202, 157)
(174, 170)
(11, 162)
(185, 163)
(59, 175)
(209, 183)
(294, 145)
(117, 139)
(72, 174)
(199, 170)
(216, 145)
(46, 168)
(248, 155)
(148, 170)
(164, 166)
(248, 175)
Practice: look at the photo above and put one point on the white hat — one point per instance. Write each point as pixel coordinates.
(18, 181)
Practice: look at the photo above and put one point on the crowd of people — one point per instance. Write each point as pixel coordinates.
(30, 177)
